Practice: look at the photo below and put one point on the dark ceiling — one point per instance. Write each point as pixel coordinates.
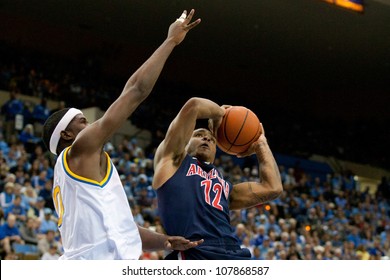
(281, 58)
(303, 55)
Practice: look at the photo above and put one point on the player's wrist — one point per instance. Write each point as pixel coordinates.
(167, 243)
(261, 147)
(262, 142)
(172, 42)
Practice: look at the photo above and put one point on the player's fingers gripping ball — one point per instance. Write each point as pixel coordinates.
(240, 127)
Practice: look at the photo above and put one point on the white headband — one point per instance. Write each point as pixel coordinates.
(64, 122)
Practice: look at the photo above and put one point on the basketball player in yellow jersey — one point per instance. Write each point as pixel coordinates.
(95, 219)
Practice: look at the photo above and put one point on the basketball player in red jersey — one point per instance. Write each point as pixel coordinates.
(193, 197)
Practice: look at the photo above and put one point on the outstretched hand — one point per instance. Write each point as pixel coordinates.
(178, 29)
(180, 243)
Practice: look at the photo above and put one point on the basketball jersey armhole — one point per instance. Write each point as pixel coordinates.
(74, 176)
(186, 157)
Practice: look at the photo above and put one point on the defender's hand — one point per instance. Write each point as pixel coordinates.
(178, 29)
(180, 243)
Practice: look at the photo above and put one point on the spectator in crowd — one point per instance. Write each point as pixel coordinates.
(38, 209)
(240, 233)
(246, 244)
(19, 173)
(39, 181)
(7, 196)
(259, 237)
(142, 183)
(46, 193)
(48, 223)
(9, 234)
(51, 254)
(4, 147)
(385, 235)
(354, 236)
(40, 114)
(28, 138)
(362, 253)
(256, 255)
(11, 109)
(28, 231)
(31, 197)
(17, 210)
(375, 249)
(48, 240)
(45, 165)
(265, 247)
(138, 217)
(18, 191)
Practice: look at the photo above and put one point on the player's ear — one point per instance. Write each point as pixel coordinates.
(67, 135)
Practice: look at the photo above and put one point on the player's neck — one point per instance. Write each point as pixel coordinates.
(201, 162)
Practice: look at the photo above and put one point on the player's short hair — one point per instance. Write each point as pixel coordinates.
(50, 124)
(55, 124)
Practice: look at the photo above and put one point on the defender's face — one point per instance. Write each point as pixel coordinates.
(78, 123)
(202, 145)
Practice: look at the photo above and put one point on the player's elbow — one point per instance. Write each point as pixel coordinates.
(141, 91)
(273, 194)
(192, 106)
(193, 103)
(279, 190)
(275, 190)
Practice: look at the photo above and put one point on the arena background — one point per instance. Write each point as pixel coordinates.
(315, 74)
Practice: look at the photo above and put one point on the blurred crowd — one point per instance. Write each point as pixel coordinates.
(325, 218)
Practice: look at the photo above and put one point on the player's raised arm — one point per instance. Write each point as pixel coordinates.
(172, 149)
(137, 88)
(248, 194)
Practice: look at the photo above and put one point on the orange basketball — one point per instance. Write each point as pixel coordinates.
(240, 127)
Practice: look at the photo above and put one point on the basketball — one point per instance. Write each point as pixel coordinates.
(240, 127)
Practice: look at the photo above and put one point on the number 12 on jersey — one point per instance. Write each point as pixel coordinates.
(217, 189)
